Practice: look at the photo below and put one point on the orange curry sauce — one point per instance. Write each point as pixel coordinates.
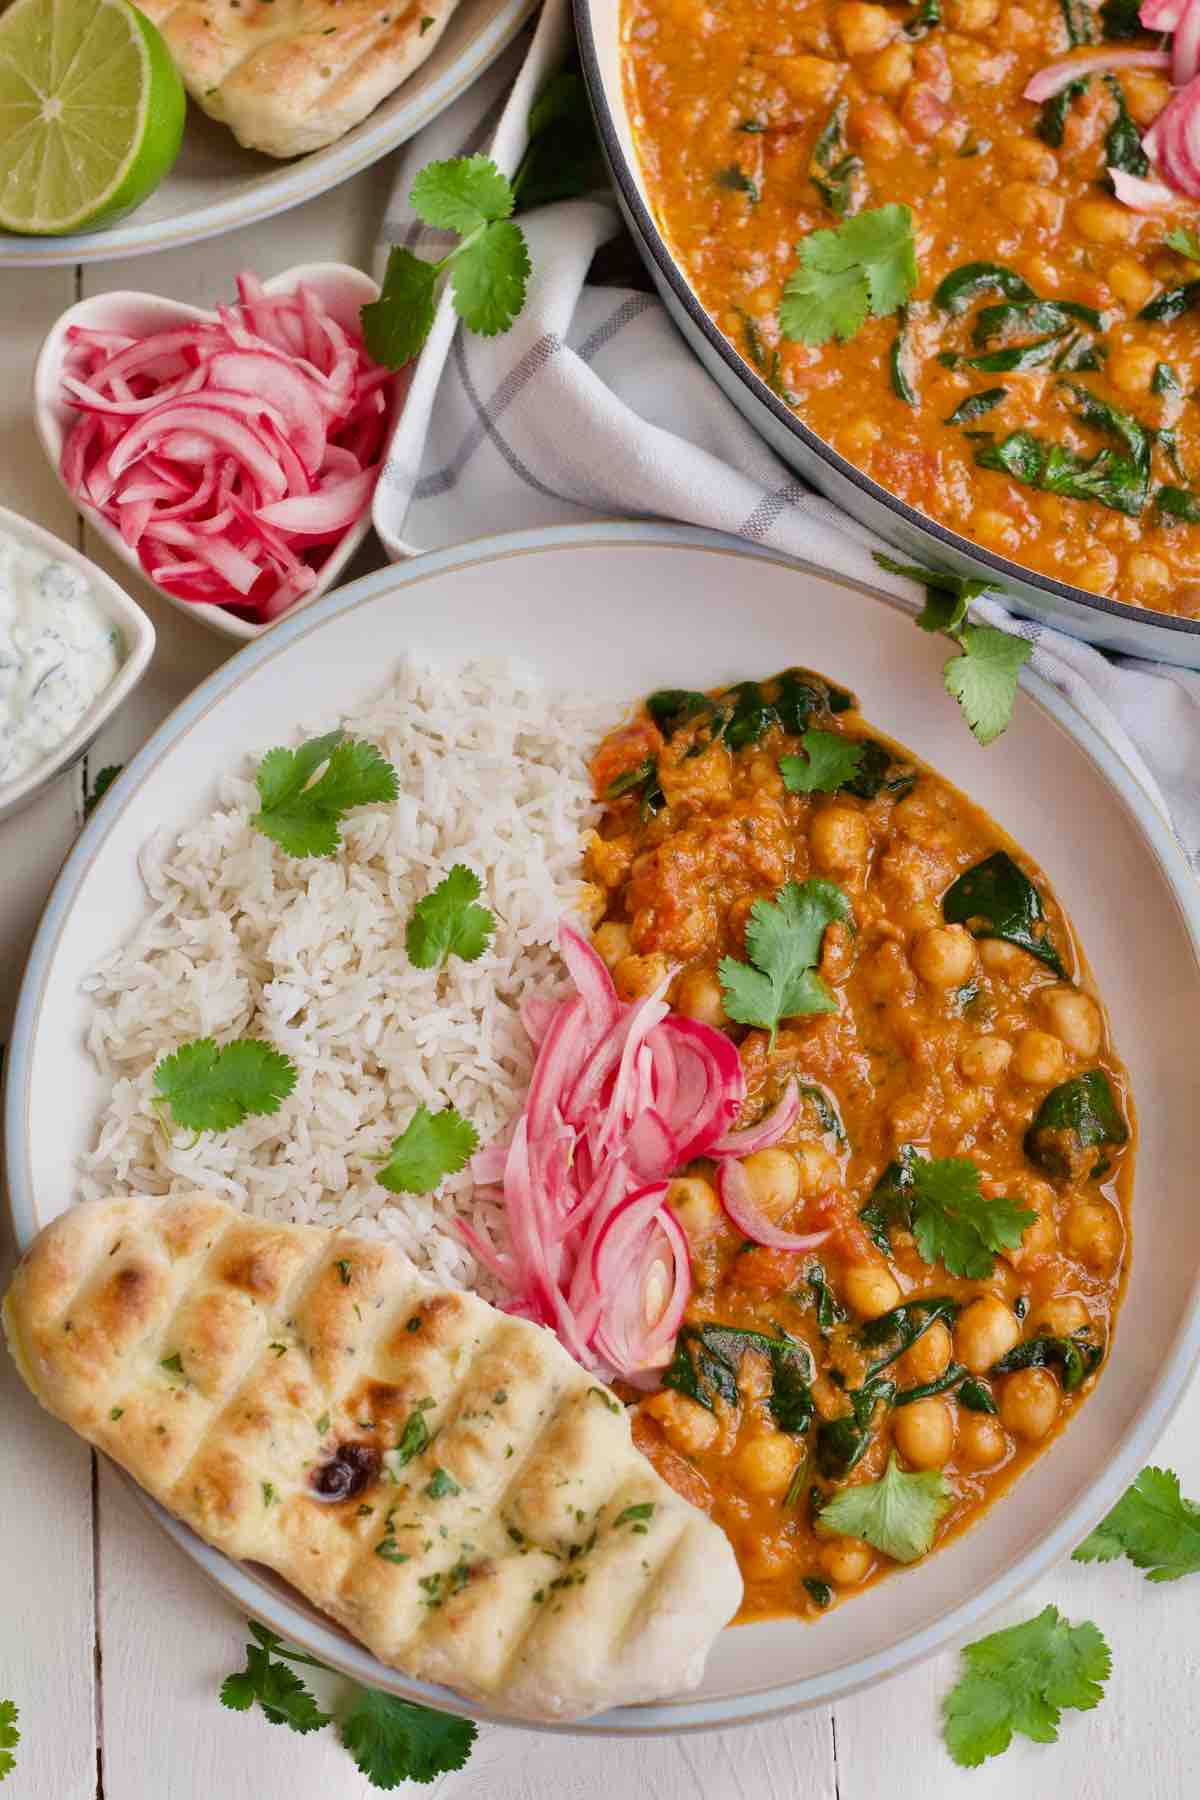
(735, 106)
(942, 1043)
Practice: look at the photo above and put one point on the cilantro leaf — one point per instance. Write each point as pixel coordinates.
(984, 678)
(213, 1090)
(1185, 242)
(396, 325)
(448, 923)
(100, 787)
(946, 596)
(783, 939)
(829, 761)
(393, 1741)
(1019, 1680)
(898, 1514)
(489, 278)
(10, 1737)
(431, 1146)
(1153, 1525)
(461, 194)
(940, 1202)
(304, 792)
(865, 265)
(279, 1691)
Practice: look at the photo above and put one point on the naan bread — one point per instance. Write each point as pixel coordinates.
(496, 1531)
(288, 76)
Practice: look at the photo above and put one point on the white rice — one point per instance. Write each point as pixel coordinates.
(245, 941)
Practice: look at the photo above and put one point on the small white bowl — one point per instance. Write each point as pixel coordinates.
(341, 288)
(137, 640)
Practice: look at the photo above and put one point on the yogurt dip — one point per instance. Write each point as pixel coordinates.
(59, 651)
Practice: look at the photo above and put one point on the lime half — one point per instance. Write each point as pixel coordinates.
(91, 113)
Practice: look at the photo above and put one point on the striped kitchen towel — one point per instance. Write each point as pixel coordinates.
(593, 406)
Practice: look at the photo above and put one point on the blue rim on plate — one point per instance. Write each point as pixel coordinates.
(288, 1613)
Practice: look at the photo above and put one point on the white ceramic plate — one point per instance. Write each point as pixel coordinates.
(627, 608)
(216, 186)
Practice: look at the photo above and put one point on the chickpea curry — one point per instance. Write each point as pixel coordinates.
(934, 272)
(963, 1155)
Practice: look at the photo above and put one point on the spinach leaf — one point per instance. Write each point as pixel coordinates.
(1111, 420)
(975, 405)
(1111, 480)
(802, 696)
(898, 1330)
(996, 899)
(879, 773)
(1052, 125)
(1171, 304)
(1016, 358)
(928, 14)
(819, 1592)
(842, 1443)
(956, 291)
(1119, 19)
(1123, 143)
(672, 707)
(831, 169)
(751, 717)
(1077, 17)
(975, 1396)
(770, 367)
(1076, 1356)
(825, 1109)
(736, 181)
(899, 361)
(1013, 316)
(706, 1363)
(829, 1311)
(643, 780)
(950, 1377)
(1178, 503)
(1165, 380)
(1079, 353)
(1080, 1114)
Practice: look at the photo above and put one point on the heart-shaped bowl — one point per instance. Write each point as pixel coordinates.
(342, 289)
(137, 646)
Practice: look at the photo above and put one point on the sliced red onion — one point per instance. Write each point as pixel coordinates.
(1185, 48)
(590, 974)
(733, 1185)
(1162, 15)
(652, 1148)
(1140, 195)
(1057, 75)
(768, 1131)
(1175, 136)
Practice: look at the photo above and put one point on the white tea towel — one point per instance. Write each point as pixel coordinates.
(593, 406)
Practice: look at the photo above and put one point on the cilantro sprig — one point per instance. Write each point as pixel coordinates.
(829, 762)
(941, 1202)
(897, 1514)
(783, 939)
(1153, 1525)
(208, 1089)
(983, 676)
(306, 792)
(390, 1740)
(447, 922)
(865, 266)
(10, 1737)
(431, 1146)
(1019, 1681)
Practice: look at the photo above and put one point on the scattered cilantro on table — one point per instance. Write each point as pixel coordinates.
(897, 1514)
(448, 923)
(1153, 1525)
(305, 792)
(390, 1740)
(865, 266)
(100, 787)
(431, 1146)
(983, 676)
(10, 1737)
(1019, 1680)
(783, 939)
(213, 1090)
(828, 763)
(940, 1201)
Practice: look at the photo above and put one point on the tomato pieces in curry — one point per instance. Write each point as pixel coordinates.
(1046, 413)
(964, 1142)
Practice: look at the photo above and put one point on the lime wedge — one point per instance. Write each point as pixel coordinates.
(91, 113)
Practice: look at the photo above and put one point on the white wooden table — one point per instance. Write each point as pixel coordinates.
(113, 1646)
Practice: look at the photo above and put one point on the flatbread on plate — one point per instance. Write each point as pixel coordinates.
(442, 1479)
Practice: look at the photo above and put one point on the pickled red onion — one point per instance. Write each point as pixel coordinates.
(1057, 75)
(733, 1185)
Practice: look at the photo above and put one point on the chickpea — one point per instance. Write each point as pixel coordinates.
(699, 996)
(1001, 958)
(1097, 571)
(982, 1440)
(591, 902)
(870, 1290)
(638, 975)
(695, 1205)
(846, 1560)
(874, 126)
(840, 839)
(818, 1169)
(1041, 1059)
(971, 15)
(1131, 368)
(1029, 1403)
(773, 1177)
(1032, 207)
(1037, 1239)
(864, 28)
(1092, 1232)
(1059, 1317)
(1030, 160)
(860, 437)
(1131, 284)
(1148, 574)
(1145, 95)
(985, 1331)
(924, 1433)
(994, 529)
(767, 1464)
(809, 78)
(687, 1425)
(985, 1058)
(764, 773)
(612, 942)
(1104, 221)
(1073, 1017)
(944, 956)
(929, 1356)
(889, 72)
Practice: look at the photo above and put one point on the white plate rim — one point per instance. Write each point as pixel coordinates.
(324, 1640)
(301, 179)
